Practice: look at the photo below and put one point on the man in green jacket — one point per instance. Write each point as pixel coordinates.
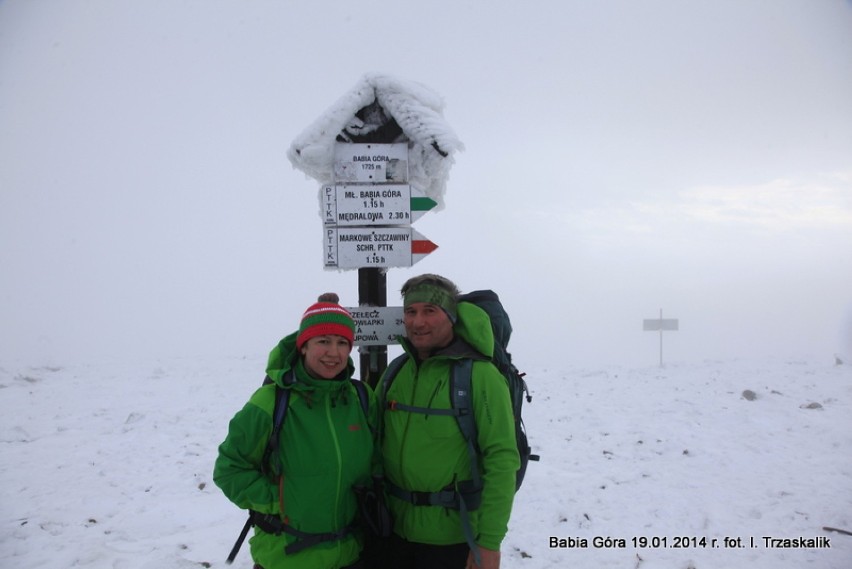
(303, 494)
(440, 521)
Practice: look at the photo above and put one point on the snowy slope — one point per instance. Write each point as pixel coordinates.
(109, 465)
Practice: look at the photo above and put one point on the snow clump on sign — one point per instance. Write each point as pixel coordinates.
(363, 114)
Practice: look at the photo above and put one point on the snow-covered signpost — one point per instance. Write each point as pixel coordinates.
(368, 213)
(661, 324)
(382, 155)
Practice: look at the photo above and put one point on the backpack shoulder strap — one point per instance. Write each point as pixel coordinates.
(363, 397)
(282, 405)
(461, 399)
(392, 371)
(279, 413)
(390, 374)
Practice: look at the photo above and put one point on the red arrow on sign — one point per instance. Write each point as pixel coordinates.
(422, 247)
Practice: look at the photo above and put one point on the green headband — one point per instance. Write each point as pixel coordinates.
(431, 294)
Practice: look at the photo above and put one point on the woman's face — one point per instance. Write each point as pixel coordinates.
(326, 356)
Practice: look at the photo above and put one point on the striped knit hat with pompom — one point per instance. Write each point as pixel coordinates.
(326, 317)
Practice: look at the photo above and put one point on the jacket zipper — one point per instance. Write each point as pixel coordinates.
(339, 466)
(402, 444)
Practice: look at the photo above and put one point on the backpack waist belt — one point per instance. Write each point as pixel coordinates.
(271, 523)
(465, 497)
(449, 497)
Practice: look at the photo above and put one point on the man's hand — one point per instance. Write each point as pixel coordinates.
(490, 559)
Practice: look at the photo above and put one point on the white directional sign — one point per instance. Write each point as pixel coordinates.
(659, 324)
(368, 210)
(380, 204)
(377, 325)
(371, 163)
(359, 247)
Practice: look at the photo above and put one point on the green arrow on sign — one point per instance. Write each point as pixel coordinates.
(420, 205)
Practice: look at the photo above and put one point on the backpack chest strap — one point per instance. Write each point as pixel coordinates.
(459, 393)
(397, 406)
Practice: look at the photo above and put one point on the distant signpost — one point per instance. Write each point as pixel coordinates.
(660, 324)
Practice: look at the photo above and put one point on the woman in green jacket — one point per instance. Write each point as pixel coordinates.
(302, 493)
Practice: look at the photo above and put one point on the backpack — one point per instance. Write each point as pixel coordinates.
(271, 523)
(460, 383)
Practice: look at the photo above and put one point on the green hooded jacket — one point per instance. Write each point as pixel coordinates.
(326, 447)
(427, 453)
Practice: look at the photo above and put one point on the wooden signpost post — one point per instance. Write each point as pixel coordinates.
(367, 217)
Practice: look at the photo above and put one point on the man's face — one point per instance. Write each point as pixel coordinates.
(427, 327)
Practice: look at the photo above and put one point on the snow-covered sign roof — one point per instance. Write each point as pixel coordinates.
(383, 109)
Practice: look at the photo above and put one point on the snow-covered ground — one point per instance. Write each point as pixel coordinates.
(109, 465)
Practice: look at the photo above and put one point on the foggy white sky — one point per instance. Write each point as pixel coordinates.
(621, 157)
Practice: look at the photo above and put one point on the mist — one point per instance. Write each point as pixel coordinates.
(620, 159)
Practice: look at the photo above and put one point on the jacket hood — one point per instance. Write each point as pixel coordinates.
(474, 327)
(285, 356)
